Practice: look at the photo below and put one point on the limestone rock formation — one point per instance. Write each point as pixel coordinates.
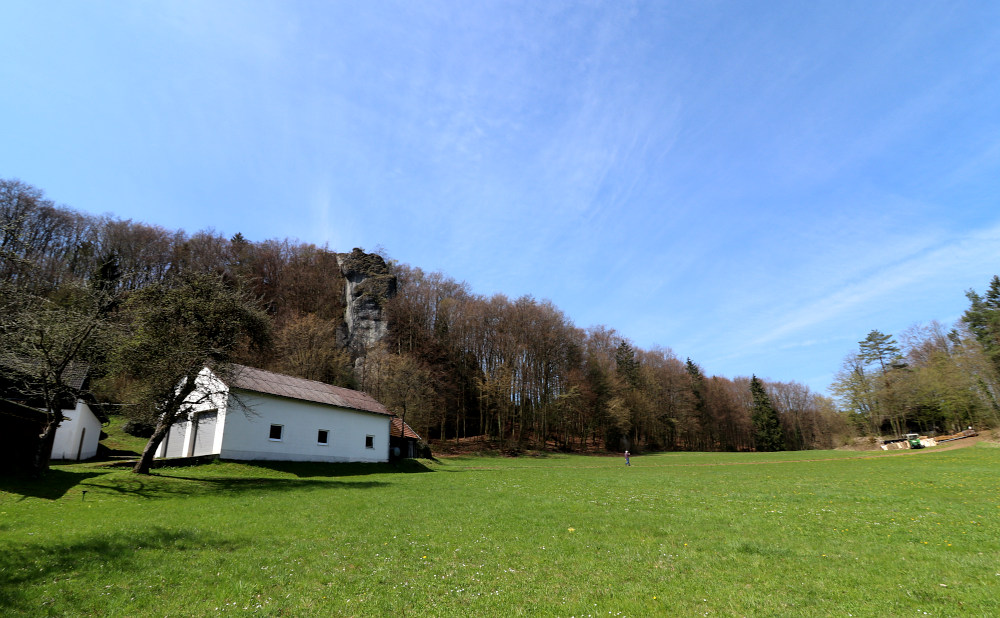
(369, 284)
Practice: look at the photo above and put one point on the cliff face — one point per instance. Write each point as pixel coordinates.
(369, 284)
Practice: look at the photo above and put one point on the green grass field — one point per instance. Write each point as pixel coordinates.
(803, 534)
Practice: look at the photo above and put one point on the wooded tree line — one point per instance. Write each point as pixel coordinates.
(515, 373)
(935, 379)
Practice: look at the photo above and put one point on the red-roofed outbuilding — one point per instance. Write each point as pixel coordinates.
(402, 439)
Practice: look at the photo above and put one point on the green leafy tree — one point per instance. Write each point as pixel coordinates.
(949, 382)
(766, 424)
(856, 390)
(881, 354)
(46, 348)
(51, 337)
(174, 332)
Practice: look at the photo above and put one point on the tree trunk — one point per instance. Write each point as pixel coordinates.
(167, 420)
(146, 460)
(40, 464)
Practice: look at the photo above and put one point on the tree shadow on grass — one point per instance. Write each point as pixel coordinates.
(233, 486)
(91, 482)
(163, 486)
(26, 565)
(307, 469)
(54, 485)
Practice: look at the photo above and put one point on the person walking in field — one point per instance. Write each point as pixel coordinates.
(627, 463)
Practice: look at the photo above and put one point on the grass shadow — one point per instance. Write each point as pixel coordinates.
(756, 548)
(231, 486)
(306, 469)
(197, 480)
(169, 485)
(25, 565)
(52, 486)
(105, 453)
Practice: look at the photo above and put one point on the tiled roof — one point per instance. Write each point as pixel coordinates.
(73, 376)
(17, 410)
(260, 381)
(399, 427)
(76, 374)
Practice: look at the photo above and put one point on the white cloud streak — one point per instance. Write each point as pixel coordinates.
(952, 260)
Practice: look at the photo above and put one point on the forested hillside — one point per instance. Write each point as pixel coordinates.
(457, 366)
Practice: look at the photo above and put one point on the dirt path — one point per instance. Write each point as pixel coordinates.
(954, 444)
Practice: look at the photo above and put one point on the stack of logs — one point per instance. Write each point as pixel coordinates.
(902, 443)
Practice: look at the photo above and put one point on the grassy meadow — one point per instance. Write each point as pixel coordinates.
(816, 533)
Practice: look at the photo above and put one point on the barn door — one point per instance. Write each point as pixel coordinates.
(175, 440)
(204, 436)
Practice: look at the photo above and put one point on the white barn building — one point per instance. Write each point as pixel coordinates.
(260, 415)
(78, 435)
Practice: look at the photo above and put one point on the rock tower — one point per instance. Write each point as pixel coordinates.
(369, 284)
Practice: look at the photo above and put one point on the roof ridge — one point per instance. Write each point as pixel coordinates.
(285, 375)
(258, 380)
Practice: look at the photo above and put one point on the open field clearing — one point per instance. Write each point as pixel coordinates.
(816, 533)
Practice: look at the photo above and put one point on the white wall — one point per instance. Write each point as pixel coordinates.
(78, 423)
(212, 394)
(246, 434)
(244, 420)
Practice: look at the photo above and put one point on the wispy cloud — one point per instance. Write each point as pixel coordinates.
(750, 185)
(954, 259)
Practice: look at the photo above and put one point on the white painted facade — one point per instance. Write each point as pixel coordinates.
(237, 424)
(78, 434)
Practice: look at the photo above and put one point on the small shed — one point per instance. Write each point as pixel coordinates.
(402, 439)
(20, 428)
(79, 433)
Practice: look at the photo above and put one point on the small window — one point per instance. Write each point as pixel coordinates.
(369, 441)
(275, 432)
(323, 437)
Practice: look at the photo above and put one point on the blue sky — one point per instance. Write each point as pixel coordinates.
(755, 185)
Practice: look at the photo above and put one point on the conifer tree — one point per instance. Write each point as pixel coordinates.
(879, 348)
(702, 411)
(983, 320)
(766, 425)
(628, 366)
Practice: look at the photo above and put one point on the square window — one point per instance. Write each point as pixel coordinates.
(323, 437)
(275, 432)
(369, 441)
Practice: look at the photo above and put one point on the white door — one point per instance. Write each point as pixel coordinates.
(175, 441)
(204, 436)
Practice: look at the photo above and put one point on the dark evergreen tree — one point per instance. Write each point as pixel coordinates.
(702, 413)
(983, 320)
(628, 366)
(766, 424)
